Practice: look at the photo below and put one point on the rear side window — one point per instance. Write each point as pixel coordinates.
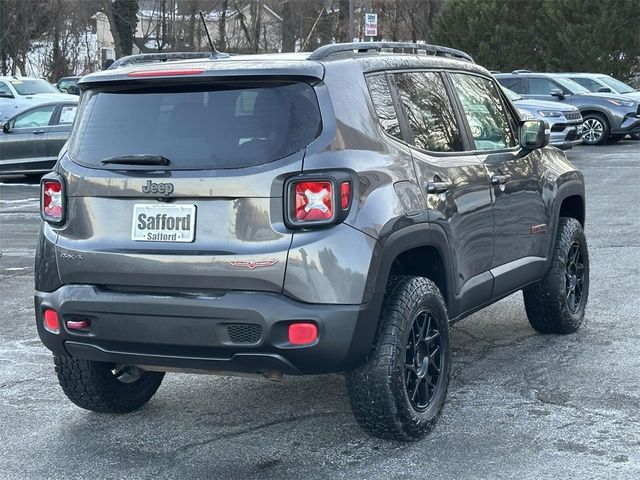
(541, 86)
(38, 117)
(67, 114)
(223, 126)
(490, 124)
(383, 103)
(587, 83)
(512, 83)
(429, 112)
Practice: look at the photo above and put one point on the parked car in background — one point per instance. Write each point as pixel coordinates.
(31, 140)
(606, 116)
(598, 82)
(19, 93)
(68, 85)
(565, 123)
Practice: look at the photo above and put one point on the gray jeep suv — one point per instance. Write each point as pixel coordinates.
(606, 116)
(300, 214)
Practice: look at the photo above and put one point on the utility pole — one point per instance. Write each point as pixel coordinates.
(350, 20)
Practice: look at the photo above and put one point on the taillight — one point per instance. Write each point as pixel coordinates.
(303, 333)
(166, 73)
(52, 200)
(316, 201)
(345, 195)
(51, 322)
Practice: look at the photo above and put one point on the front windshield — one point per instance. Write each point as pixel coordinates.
(616, 85)
(32, 86)
(570, 85)
(513, 96)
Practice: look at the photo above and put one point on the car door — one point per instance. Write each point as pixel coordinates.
(24, 147)
(454, 181)
(60, 129)
(520, 218)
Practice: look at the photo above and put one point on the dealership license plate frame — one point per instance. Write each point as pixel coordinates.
(181, 210)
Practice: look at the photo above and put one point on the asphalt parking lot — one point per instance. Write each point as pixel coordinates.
(521, 405)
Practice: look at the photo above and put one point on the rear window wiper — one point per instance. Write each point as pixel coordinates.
(136, 160)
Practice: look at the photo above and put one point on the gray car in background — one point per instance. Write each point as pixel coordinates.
(30, 141)
(598, 82)
(565, 122)
(607, 116)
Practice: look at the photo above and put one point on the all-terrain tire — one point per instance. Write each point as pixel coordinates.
(549, 305)
(380, 389)
(94, 386)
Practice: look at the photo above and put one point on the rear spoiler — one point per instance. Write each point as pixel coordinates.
(205, 70)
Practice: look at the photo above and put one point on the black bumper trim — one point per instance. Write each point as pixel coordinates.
(187, 332)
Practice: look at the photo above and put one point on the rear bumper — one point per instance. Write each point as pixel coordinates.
(191, 331)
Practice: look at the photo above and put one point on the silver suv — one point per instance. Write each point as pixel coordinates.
(606, 116)
(565, 123)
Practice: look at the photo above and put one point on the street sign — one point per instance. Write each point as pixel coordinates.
(371, 25)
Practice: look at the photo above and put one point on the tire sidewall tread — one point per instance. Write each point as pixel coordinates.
(376, 389)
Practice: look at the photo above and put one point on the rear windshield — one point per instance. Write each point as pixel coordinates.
(223, 126)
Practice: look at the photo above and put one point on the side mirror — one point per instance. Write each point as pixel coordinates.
(6, 128)
(6, 95)
(556, 92)
(534, 134)
(73, 90)
(604, 90)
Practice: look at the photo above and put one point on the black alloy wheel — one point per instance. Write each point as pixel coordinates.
(575, 277)
(423, 360)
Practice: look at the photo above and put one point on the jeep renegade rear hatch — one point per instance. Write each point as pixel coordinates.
(178, 184)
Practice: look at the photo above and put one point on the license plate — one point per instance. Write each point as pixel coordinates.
(163, 223)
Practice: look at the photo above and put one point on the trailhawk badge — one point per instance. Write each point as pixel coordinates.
(251, 264)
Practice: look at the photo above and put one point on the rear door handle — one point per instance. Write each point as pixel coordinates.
(38, 132)
(500, 179)
(439, 187)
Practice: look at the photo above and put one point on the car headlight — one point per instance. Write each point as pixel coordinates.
(620, 103)
(549, 113)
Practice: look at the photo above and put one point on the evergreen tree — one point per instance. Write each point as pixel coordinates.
(499, 34)
(544, 35)
(592, 36)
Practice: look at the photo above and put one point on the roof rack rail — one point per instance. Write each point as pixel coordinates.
(522, 71)
(326, 51)
(157, 57)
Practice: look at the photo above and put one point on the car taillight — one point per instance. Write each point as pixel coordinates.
(52, 200)
(314, 200)
(345, 195)
(303, 333)
(166, 72)
(51, 322)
